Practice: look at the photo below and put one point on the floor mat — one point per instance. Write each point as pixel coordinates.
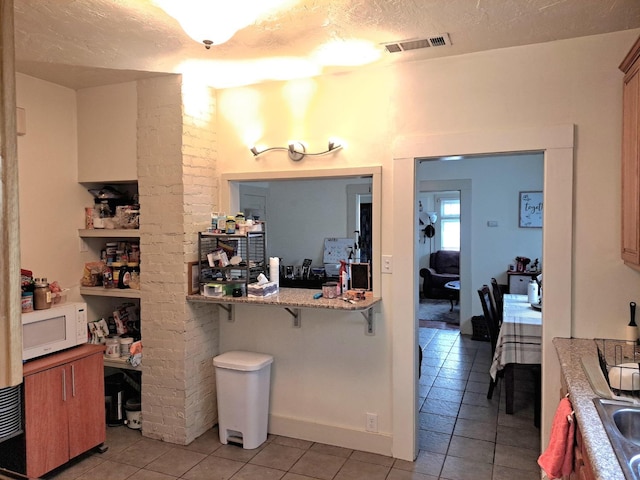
(435, 310)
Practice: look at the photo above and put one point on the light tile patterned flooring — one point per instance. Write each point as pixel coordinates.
(462, 436)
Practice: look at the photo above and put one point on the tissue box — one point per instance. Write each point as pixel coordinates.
(264, 290)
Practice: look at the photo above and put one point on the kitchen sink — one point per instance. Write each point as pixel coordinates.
(621, 421)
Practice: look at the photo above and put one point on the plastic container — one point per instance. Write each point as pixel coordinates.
(243, 384)
(112, 347)
(60, 297)
(125, 345)
(27, 302)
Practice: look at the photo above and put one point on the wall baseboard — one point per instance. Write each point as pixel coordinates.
(380, 443)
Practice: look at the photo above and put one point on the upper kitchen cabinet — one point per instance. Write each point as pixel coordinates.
(631, 158)
(107, 148)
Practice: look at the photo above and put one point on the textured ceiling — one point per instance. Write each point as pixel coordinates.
(80, 43)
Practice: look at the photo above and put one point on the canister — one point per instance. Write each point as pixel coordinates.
(112, 347)
(41, 295)
(125, 345)
(330, 290)
(27, 302)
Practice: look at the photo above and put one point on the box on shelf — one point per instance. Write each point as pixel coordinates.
(264, 290)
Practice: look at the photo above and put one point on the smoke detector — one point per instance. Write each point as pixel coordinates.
(439, 40)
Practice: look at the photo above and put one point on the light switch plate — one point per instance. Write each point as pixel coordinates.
(387, 264)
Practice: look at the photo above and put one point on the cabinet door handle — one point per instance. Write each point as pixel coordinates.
(73, 380)
(64, 385)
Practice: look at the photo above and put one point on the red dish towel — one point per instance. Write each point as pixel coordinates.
(557, 459)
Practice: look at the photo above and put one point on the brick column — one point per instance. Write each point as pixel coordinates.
(177, 185)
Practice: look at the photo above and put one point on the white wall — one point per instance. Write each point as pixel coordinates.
(302, 213)
(568, 82)
(51, 201)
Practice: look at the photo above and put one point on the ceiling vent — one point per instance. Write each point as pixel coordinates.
(406, 45)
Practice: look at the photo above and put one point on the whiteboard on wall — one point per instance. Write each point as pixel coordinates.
(336, 249)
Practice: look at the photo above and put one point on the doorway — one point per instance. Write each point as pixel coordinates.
(557, 143)
(439, 223)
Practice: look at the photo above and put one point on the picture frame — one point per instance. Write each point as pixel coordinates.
(360, 276)
(531, 208)
(193, 278)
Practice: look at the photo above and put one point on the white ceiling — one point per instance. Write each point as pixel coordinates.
(81, 43)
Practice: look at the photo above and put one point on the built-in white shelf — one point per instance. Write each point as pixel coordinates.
(120, 363)
(110, 292)
(109, 233)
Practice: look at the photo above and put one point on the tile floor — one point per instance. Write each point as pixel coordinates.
(463, 436)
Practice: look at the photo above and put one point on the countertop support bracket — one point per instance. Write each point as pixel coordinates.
(369, 327)
(297, 316)
(229, 310)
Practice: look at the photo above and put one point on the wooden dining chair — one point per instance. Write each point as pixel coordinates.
(492, 324)
(493, 327)
(497, 297)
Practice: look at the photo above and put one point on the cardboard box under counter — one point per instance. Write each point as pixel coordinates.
(264, 290)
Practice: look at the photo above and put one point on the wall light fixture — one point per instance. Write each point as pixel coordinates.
(297, 151)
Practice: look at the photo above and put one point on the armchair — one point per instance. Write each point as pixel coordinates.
(444, 266)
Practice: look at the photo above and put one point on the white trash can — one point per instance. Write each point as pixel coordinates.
(242, 385)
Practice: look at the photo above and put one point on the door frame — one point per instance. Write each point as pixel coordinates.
(557, 145)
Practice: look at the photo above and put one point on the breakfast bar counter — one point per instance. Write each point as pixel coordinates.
(295, 298)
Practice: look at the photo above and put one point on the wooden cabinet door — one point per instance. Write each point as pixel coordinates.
(630, 167)
(86, 404)
(46, 432)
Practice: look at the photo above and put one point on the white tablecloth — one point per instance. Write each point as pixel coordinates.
(520, 337)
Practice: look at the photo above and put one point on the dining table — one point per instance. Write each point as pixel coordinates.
(519, 341)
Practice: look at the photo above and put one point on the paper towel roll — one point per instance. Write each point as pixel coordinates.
(274, 270)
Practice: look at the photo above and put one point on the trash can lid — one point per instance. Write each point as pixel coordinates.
(133, 405)
(245, 361)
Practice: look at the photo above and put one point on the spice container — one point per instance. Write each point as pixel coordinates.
(231, 225)
(41, 295)
(115, 268)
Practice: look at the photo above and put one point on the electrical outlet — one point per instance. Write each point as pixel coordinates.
(372, 423)
(387, 264)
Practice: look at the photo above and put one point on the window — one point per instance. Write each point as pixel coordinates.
(449, 222)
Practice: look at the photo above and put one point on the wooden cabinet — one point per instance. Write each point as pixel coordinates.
(630, 238)
(519, 281)
(582, 469)
(63, 407)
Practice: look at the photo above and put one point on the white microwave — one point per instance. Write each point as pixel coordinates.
(54, 329)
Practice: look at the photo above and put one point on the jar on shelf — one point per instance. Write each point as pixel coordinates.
(231, 225)
(41, 294)
(134, 283)
(115, 269)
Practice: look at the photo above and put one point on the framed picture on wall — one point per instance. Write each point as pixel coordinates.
(193, 288)
(531, 207)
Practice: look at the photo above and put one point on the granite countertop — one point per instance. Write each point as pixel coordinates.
(293, 297)
(603, 458)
